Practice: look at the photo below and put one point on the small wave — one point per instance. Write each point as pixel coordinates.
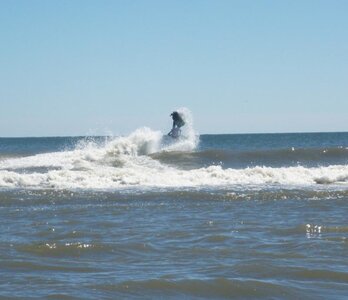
(8, 156)
(273, 158)
(327, 179)
(45, 267)
(148, 173)
(319, 274)
(313, 231)
(63, 249)
(215, 288)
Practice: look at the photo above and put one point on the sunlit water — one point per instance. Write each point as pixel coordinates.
(143, 216)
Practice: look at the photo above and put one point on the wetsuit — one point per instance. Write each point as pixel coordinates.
(177, 123)
(177, 120)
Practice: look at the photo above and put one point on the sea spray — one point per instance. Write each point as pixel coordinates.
(142, 141)
(189, 138)
(134, 161)
(110, 163)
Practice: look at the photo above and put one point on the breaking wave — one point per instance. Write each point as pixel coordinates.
(147, 159)
(242, 159)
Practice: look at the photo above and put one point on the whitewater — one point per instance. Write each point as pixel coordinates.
(136, 161)
(210, 216)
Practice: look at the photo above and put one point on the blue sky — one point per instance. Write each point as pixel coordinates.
(98, 67)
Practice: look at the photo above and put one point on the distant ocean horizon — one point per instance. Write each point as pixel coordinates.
(147, 216)
(126, 134)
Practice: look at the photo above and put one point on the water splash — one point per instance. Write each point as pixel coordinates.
(189, 138)
(127, 162)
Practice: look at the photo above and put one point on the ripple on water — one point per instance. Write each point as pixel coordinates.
(215, 288)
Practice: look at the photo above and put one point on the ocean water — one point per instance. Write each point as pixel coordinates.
(147, 217)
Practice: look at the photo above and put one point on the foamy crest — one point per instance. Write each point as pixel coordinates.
(118, 162)
(124, 162)
(80, 171)
(143, 141)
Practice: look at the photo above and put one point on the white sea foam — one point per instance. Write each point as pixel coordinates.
(143, 171)
(124, 162)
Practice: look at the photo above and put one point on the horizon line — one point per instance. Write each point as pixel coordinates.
(236, 133)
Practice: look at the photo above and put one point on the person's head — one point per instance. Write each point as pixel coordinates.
(174, 114)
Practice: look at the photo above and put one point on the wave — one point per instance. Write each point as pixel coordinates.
(197, 288)
(141, 160)
(145, 172)
(240, 159)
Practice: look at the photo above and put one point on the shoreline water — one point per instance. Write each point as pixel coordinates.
(131, 217)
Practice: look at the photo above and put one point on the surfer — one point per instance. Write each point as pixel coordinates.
(178, 122)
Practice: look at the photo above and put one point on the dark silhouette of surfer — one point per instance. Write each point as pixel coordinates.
(178, 122)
